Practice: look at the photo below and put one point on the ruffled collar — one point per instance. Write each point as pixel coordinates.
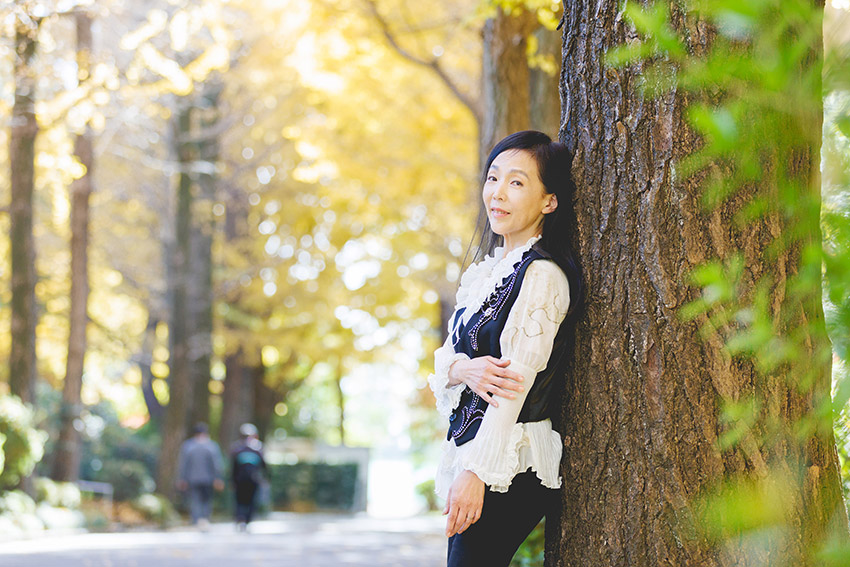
(479, 280)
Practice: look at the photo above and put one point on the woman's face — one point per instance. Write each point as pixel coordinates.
(515, 199)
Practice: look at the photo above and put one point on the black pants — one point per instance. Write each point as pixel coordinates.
(246, 492)
(506, 520)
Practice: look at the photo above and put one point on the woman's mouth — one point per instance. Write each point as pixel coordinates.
(498, 213)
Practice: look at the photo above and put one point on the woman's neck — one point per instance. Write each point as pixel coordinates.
(510, 244)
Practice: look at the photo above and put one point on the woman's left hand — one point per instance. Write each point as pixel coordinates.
(464, 503)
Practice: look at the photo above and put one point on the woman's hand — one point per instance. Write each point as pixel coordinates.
(486, 376)
(463, 505)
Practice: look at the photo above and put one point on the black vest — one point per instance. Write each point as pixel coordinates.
(480, 337)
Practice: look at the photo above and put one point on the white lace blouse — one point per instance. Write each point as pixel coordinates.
(502, 447)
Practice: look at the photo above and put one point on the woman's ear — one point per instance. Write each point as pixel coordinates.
(551, 205)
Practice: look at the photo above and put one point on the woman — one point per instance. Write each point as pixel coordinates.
(497, 377)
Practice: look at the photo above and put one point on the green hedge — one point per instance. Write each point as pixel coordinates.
(319, 486)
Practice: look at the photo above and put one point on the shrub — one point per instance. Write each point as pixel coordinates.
(23, 444)
(426, 490)
(57, 494)
(129, 479)
(20, 510)
(156, 508)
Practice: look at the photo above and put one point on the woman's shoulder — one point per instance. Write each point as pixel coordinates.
(545, 279)
(544, 268)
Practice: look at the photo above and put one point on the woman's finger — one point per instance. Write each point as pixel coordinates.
(452, 522)
(507, 374)
(509, 385)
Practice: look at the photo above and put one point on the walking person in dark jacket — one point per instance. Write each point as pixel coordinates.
(247, 466)
(199, 473)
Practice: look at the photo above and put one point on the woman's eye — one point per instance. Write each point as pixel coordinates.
(516, 182)
(491, 178)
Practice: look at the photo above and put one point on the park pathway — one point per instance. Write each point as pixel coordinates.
(282, 540)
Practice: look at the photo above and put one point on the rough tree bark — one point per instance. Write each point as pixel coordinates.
(22, 369)
(66, 467)
(641, 412)
(178, 410)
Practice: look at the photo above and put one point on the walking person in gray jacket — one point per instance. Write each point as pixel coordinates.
(200, 472)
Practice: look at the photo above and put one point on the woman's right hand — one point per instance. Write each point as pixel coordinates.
(486, 376)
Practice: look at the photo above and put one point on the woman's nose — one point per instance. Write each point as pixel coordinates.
(498, 192)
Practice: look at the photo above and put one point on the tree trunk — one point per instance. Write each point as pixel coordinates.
(237, 403)
(641, 415)
(265, 398)
(506, 76)
(545, 100)
(202, 238)
(67, 463)
(155, 408)
(179, 407)
(340, 396)
(22, 369)
(238, 395)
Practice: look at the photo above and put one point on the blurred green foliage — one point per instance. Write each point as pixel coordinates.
(129, 479)
(56, 505)
(157, 508)
(425, 489)
(23, 444)
(305, 486)
(530, 553)
(58, 494)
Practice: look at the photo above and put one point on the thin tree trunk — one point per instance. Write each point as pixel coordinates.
(265, 398)
(155, 408)
(641, 415)
(200, 318)
(66, 467)
(238, 398)
(202, 239)
(179, 381)
(340, 397)
(238, 395)
(22, 369)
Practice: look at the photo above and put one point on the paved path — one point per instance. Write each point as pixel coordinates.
(283, 540)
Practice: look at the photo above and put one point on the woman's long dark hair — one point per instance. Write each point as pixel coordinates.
(554, 164)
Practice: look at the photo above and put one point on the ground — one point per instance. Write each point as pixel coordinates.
(282, 540)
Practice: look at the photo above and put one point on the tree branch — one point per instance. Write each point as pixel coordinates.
(473, 105)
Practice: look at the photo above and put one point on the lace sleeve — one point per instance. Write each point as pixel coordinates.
(534, 319)
(527, 339)
(447, 396)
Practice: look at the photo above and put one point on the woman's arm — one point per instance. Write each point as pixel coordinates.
(446, 393)
(486, 376)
